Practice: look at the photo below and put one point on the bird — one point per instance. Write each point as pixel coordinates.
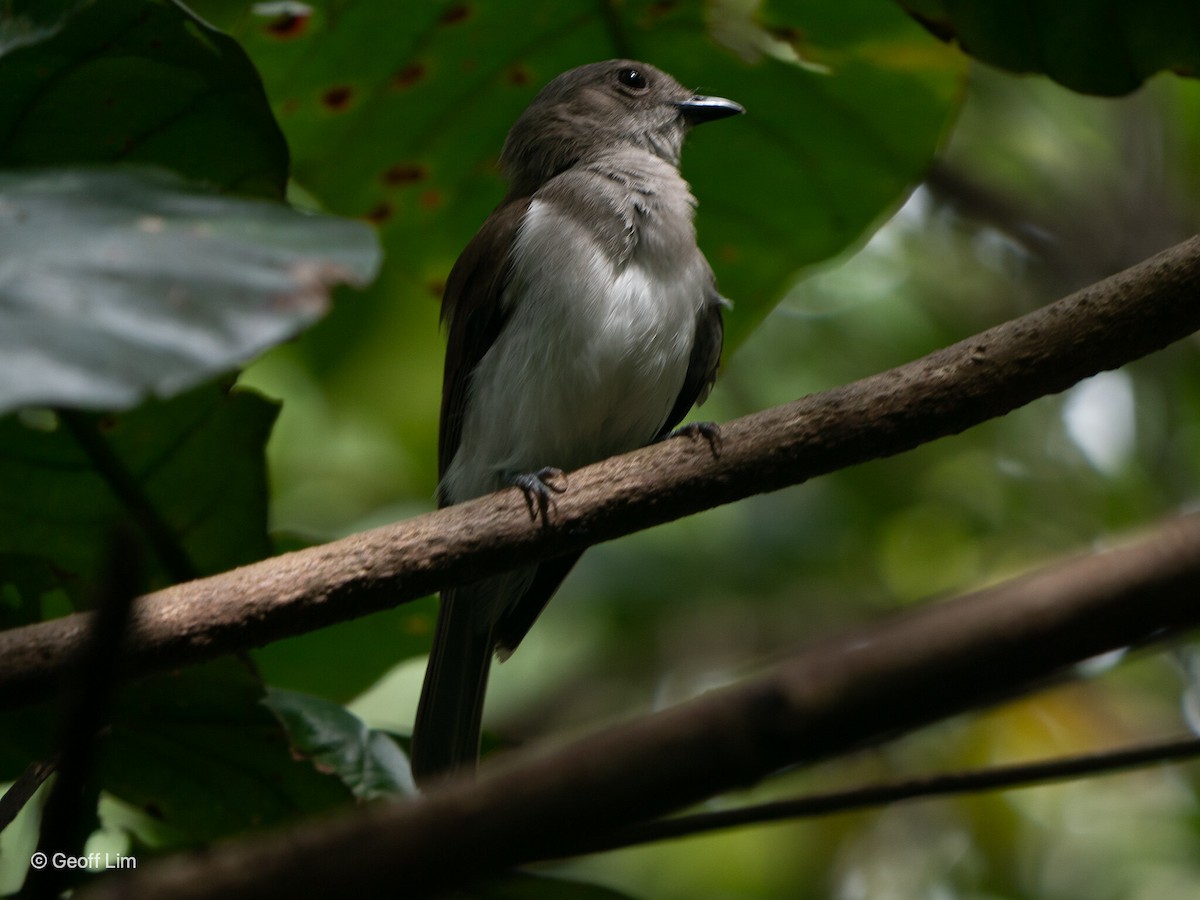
(583, 321)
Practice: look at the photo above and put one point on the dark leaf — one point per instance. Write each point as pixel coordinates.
(135, 81)
(195, 462)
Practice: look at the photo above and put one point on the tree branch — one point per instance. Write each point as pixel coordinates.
(1100, 327)
(871, 684)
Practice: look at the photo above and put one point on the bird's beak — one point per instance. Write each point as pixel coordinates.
(699, 109)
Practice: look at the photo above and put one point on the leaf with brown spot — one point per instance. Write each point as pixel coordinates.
(337, 98)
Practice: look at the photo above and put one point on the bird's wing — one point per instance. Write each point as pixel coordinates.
(474, 315)
(705, 358)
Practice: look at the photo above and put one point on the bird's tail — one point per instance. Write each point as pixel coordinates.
(446, 730)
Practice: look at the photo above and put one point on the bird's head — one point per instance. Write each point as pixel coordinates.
(596, 107)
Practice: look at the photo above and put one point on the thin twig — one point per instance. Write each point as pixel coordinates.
(21, 791)
(995, 778)
(87, 696)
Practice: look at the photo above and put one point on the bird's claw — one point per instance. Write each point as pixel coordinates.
(710, 431)
(539, 489)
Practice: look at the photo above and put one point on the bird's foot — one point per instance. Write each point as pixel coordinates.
(710, 431)
(539, 489)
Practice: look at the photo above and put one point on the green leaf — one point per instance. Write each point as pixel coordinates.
(136, 81)
(118, 284)
(367, 761)
(201, 755)
(1092, 46)
(195, 461)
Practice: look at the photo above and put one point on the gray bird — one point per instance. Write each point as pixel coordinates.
(583, 322)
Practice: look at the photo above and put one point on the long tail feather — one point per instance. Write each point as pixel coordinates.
(446, 731)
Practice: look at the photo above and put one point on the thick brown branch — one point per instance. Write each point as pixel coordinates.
(845, 693)
(1101, 327)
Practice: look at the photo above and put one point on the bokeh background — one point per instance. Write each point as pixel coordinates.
(883, 197)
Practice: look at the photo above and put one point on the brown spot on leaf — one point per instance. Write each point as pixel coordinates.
(729, 253)
(338, 98)
(431, 199)
(289, 106)
(460, 12)
(437, 287)
(409, 75)
(519, 75)
(288, 26)
(788, 34)
(662, 8)
(379, 213)
(405, 173)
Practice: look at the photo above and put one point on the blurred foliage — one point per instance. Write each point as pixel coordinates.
(1093, 46)
(396, 115)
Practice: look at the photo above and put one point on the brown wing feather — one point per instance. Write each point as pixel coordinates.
(473, 314)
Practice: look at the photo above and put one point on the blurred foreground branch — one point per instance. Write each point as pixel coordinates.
(1100, 327)
(866, 686)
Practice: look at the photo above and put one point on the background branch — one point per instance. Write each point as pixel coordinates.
(866, 686)
(1100, 327)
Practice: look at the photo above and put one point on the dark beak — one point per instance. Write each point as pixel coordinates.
(698, 110)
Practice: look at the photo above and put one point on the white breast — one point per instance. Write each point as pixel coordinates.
(589, 363)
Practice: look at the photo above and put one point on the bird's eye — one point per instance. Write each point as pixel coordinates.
(632, 78)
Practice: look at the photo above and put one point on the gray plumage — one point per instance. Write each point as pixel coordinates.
(583, 322)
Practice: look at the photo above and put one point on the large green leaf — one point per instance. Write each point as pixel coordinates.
(115, 284)
(187, 472)
(138, 81)
(1093, 46)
